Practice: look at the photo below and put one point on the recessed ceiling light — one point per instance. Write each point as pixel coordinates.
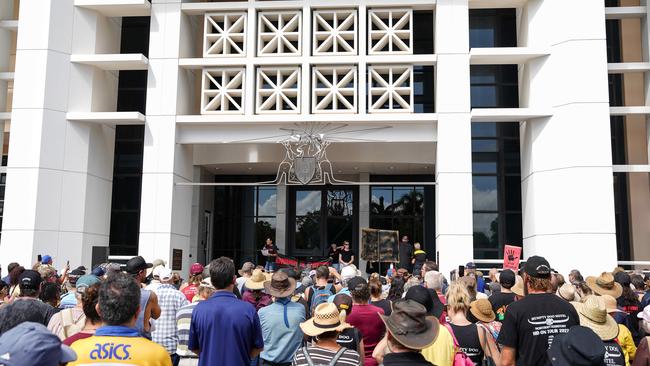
(356, 168)
(391, 167)
(217, 168)
(249, 168)
(339, 171)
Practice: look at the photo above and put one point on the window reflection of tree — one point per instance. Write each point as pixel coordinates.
(486, 242)
(409, 204)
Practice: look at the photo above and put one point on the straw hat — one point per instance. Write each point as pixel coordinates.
(593, 315)
(280, 285)
(326, 319)
(610, 304)
(410, 325)
(482, 310)
(256, 281)
(518, 288)
(605, 285)
(568, 292)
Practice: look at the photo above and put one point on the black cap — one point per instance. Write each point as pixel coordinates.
(580, 346)
(136, 264)
(507, 278)
(30, 279)
(425, 298)
(538, 267)
(354, 282)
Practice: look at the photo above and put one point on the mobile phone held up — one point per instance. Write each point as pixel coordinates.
(461, 271)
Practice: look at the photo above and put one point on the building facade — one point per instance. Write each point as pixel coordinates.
(186, 130)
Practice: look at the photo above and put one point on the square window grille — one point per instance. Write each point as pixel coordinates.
(224, 34)
(334, 32)
(222, 91)
(278, 33)
(278, 90)
(334, 89)
(390, 31)
(390, 88)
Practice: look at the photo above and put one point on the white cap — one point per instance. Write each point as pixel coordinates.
(348, 272)
(164, 273)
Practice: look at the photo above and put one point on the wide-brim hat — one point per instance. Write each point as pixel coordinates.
(326, 319)
(280, 285)
(256, 281)
(482, 310)
(605, 285)
(593, 315)
(409, 324)
(518, 288)
(610, 304)
(568, 292)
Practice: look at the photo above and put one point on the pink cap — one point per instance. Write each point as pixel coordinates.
(196, 268)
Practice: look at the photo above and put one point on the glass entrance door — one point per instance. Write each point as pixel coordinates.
(319, 217)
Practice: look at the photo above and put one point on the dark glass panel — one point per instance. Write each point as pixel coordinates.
(513, 193)
(484, 193)
(488, 129)
(423, 32)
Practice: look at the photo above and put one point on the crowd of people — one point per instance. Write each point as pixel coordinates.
(142, 313)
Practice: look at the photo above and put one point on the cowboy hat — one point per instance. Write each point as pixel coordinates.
(605, 285)
(482, 310)
(593, 315)
(256, 281)
(568, 292)
(280, 285)
(518, 288)
(410, 326)
(610, 304)
(326, 319)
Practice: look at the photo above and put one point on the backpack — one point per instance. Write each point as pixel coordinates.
(68, 325)
(460, 358)
(319, 296)
(333, 362)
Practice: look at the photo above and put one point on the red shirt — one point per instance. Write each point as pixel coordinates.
(75, 337)
(190, 291)
(366, 319)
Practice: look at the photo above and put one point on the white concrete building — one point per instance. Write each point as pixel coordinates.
(138, 127)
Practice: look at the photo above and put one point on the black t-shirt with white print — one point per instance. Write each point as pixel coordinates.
(614, 355)
(531, 323)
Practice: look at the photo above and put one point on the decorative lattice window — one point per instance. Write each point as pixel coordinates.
(334, 89)
(391, 31)
(390, 88)
(278, 33)
(224, 34)
(278, 90)
(334, 32)
(222, 91)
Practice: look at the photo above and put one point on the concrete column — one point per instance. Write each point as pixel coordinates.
(454, 240)
(567, 179)
(35, 171)
(364, 214)
(165, 218)
(281, 219)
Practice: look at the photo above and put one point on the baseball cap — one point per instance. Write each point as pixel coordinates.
(164, 273)
(354, 282)
(507, 278)
(538, 267)
(47, 259)
(136, 264)
(30, 279)
(470, 265)
(580, 346)
(348, 272)
(86, 281)
(32, 343)
(196, 268)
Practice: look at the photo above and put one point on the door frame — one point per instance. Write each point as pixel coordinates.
(291, 221)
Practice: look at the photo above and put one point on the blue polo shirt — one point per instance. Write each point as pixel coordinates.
(281, 329)
(225, 330)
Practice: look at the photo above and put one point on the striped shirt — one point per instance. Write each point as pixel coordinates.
(183, 321)
(323, 356)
